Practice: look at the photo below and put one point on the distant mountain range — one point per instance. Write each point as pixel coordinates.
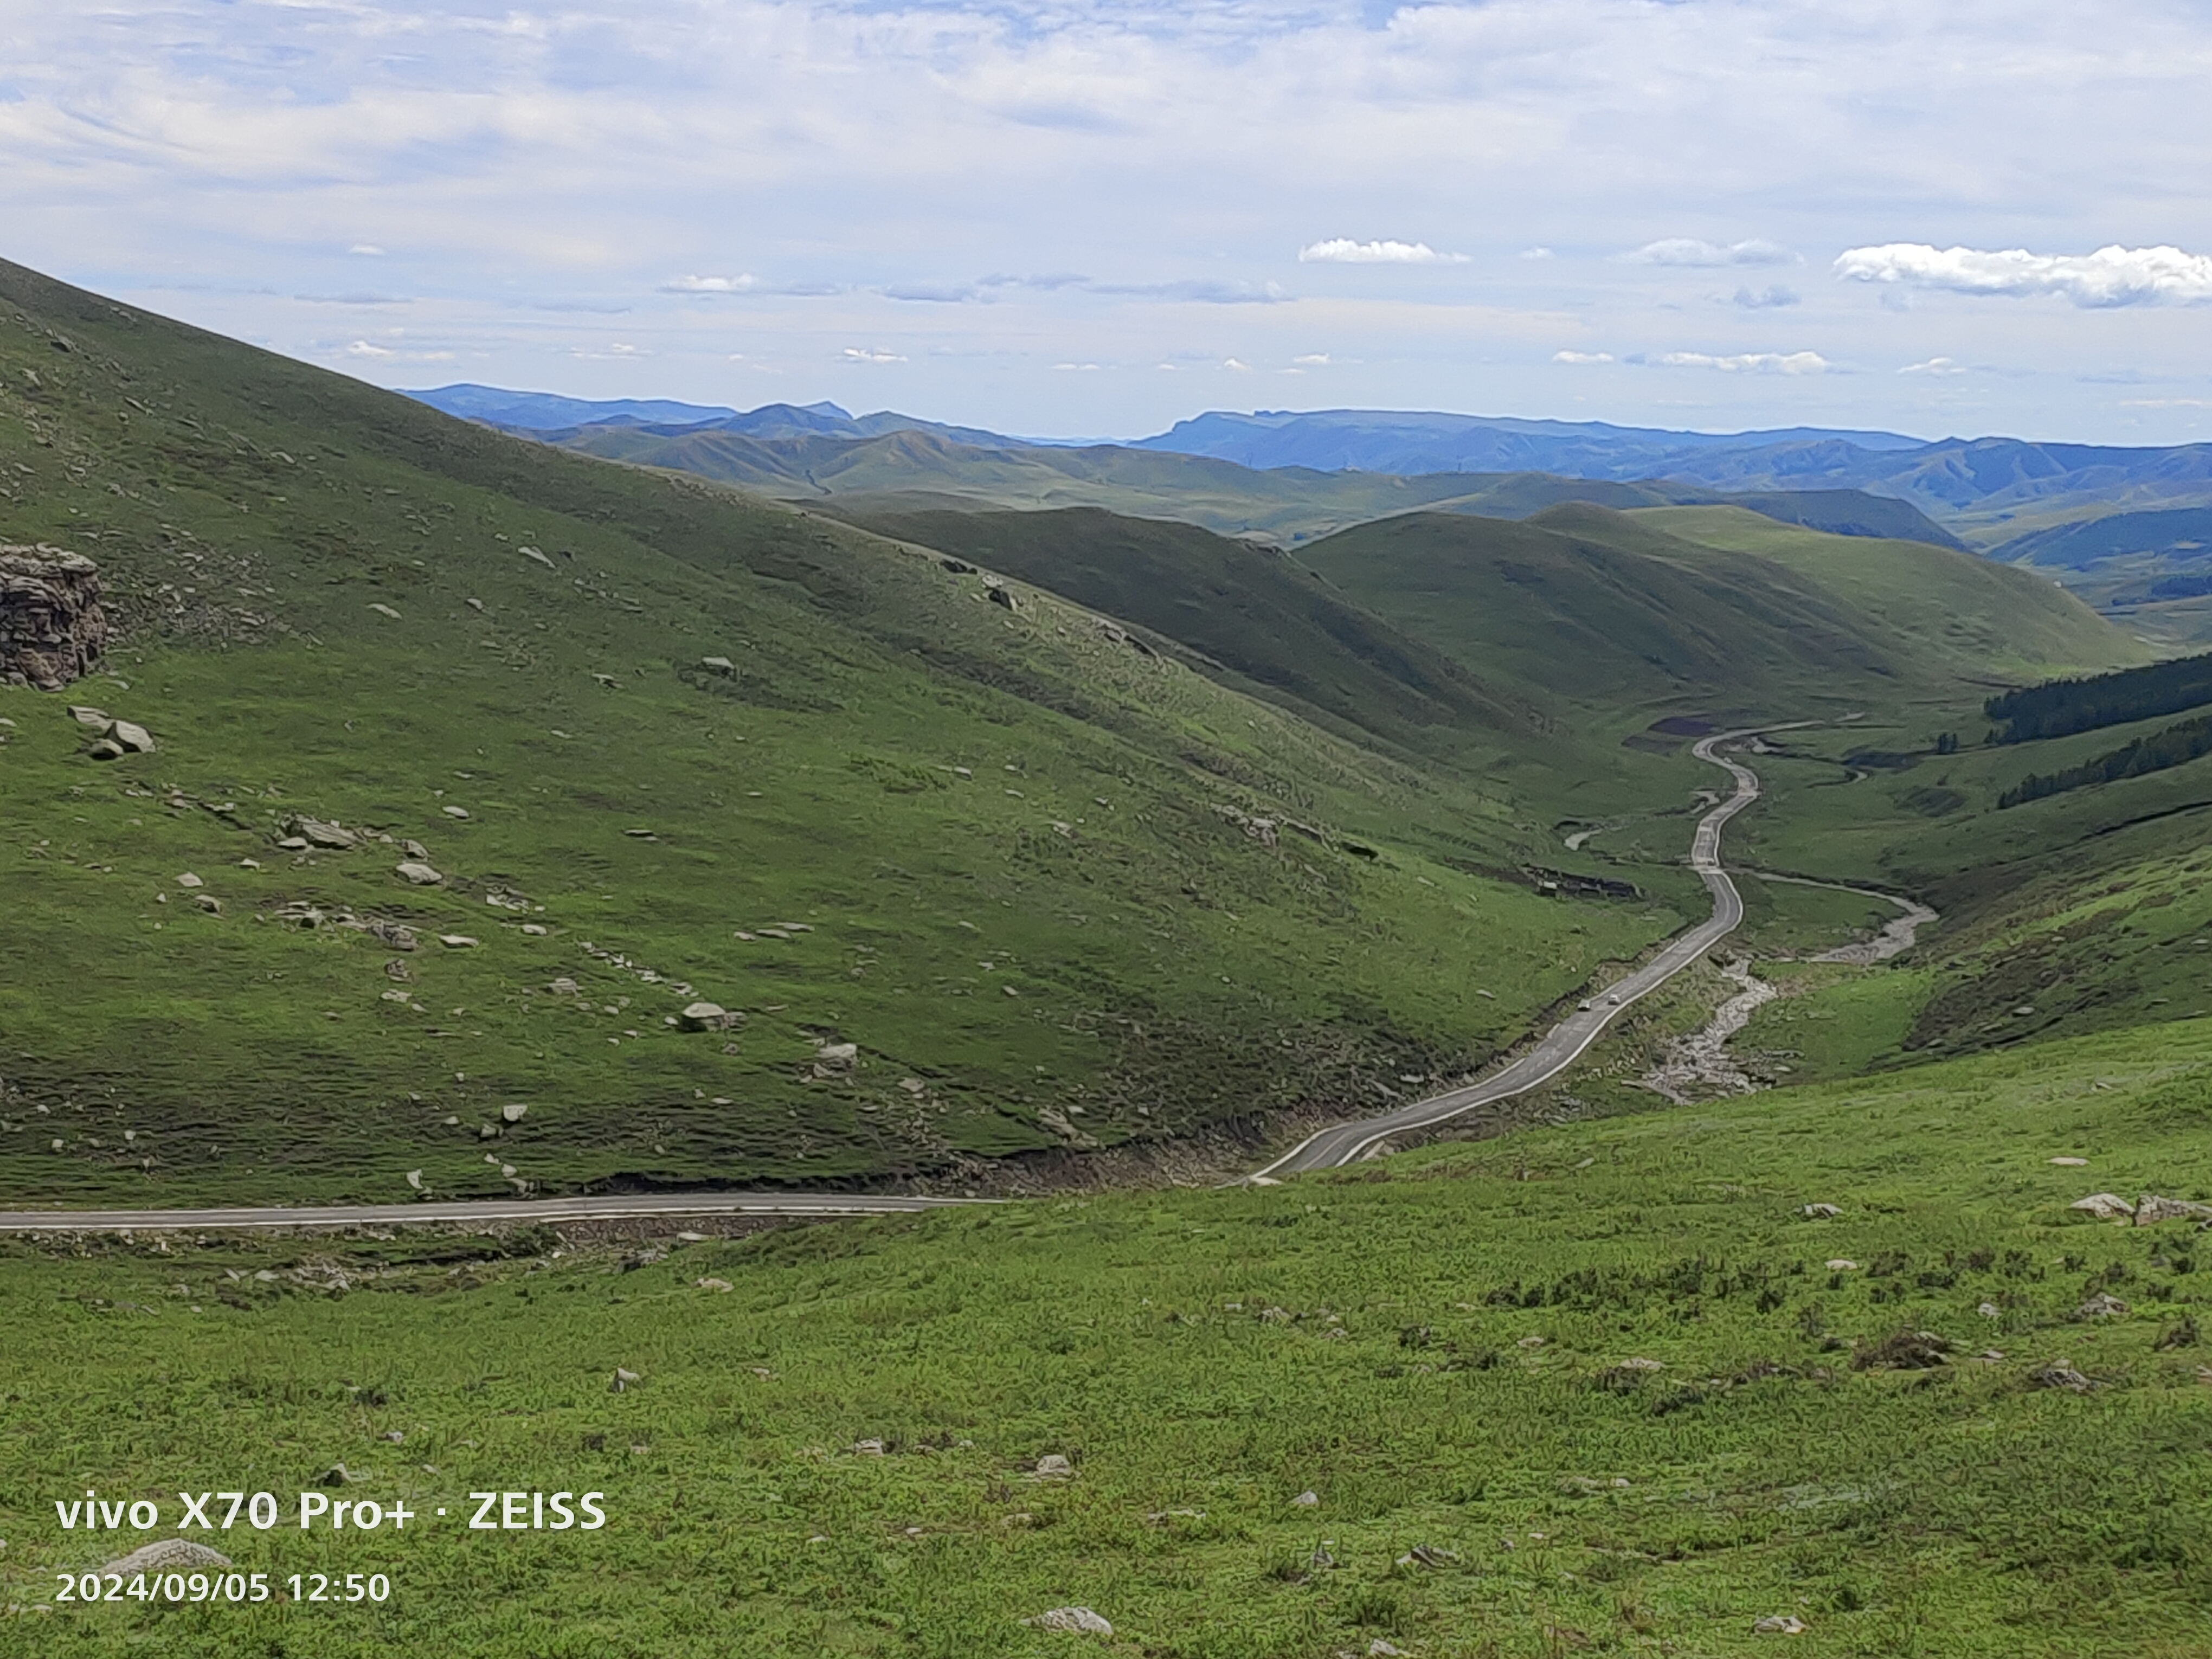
(2009, 498)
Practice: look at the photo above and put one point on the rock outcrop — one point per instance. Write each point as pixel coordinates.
(52, 628)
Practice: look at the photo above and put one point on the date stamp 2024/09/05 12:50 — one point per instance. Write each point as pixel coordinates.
(201, 1575)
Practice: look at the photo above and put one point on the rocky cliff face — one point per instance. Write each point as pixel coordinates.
(52, 628)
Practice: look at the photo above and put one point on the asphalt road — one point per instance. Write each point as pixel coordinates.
(1342, 1144)
(612, 1207)
(1345, 1142)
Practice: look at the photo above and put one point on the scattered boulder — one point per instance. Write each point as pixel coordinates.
(2071, 1162)
(321, 832)
(384, 610)
(2106, 1206)
(564, 987)
(457, 941)
(1904, 1351)
(2103, 1305)
(1003, 596)
(1779, 1623)
(2151, 1209)
(958, 567)
(624, 1381)
(454, 811)
(414, 849)
(838, 1055)
(1079, 1622)
(713, 1284)
(86, 714)
(721, 665)
(131, 739)
(1305, 1500)
(1054, 1467)
(398, 936)
(515, 1111)
(414, 870)
(209, 902)
(188, 879)
(335, 1475)
(166, 1555)
(536, 557)
(52, 627)
(1822, 1212)
(415, 1179)
(399, 971)
(708, 1016)
(2060, 1374)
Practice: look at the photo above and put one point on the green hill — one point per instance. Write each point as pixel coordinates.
(1957, 613)
(1260, 620)
(1708, 608)
(1054, 892)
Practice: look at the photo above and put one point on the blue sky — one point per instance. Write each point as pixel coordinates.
(1075, 218)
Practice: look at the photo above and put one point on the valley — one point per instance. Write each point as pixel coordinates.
(750, 963)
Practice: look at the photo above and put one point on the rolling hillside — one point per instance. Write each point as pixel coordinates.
(1040, 879)
(890, 463)
(1613, 610)
(1258, 619)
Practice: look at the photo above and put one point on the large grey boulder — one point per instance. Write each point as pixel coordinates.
(53, 628)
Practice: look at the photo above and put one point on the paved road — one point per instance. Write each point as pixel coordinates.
(1345, 1142)
(612, 1207)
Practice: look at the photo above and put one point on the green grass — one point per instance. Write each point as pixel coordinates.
(1432, 1346)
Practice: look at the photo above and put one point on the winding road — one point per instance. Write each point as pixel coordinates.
(1345, 1142)
(1342, 1144)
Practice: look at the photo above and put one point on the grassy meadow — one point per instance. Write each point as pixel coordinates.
(1607, 1378)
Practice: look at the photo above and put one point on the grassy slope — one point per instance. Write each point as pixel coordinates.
(1265, 619)
(1959, 611)
(1429, 1347)
(1150, 965)
(1615, 613)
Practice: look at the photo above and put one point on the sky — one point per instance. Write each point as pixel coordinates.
(1069, 218)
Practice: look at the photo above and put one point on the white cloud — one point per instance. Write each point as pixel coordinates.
(1312, 360)
(1077, 368)
(871, 354)
(2110, 277)
(1236, 368)
(1939, 366)
(1536, 254)
(1343, 251)
(1768, 298)
(363, 349)
(1581, 356)
(738, 284)
(1750, 362)
(370, 249)
(1689, 251)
